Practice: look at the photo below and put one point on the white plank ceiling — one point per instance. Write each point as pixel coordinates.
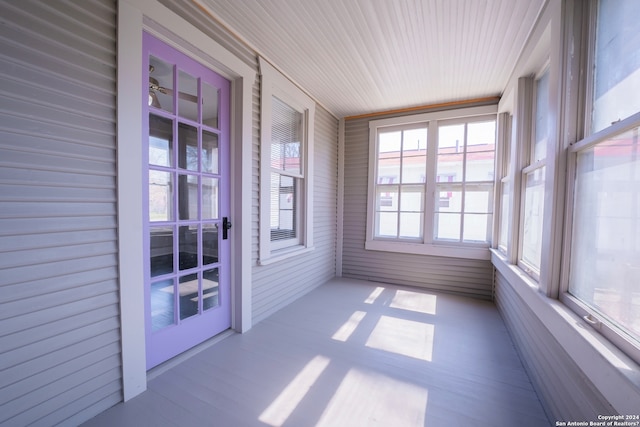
(361, 56)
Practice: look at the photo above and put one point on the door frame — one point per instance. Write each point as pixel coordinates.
(134, 17)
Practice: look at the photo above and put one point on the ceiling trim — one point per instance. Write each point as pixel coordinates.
(488, 99)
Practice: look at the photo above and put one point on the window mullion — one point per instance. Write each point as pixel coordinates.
(430, 191)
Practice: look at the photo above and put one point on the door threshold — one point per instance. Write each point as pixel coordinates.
(165, 366)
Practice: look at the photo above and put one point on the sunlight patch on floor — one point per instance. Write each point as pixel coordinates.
(405, 337)
(375, 399)
(345, 331)
(284, 405)
(373, 296)
(414, 301)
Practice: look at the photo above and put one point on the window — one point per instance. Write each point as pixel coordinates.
(506, 121)
(616, 64)
(602, 273)
(431, 183)
(533, 182)
(286, 177)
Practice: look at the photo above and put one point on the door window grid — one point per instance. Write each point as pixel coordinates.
(183, 197)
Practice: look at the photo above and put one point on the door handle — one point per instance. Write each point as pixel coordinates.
(226, 225)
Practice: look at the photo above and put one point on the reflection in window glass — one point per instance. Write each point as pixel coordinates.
(210, 98)
(162, 304)
(533, 214)
(160, 141)
(283, 207)
(161, 250)
(617, 63)
(605, 242)
(160, 84)
(210, 289)
(209, 152)
(189, 291)
(188, 246)
(188, 197)
(187, 147)
(188, 96)
(210, 198)
(160, 196)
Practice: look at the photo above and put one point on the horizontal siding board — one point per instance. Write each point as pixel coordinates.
(566, 392)
(41, 82)
(55, 358)
(59, 323)
(75, 387)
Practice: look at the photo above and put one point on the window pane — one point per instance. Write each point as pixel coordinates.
(414, 155)
(390, 142)
(209, 152)
(162, 304)
(188, 197)
(187, 96)
(160, 196)
(286, 137)
(533, 212)
(481, 145)
(411, 224)
(209, 244)
(187, 147)
(478, 199)
(412, 198)
(161, 250)
(449, 198)
(388, 169)
(209, 105)
(160, 141)
(160, 84)
(283, 207)
(447, 226)
(188, 246)
(387, 198)
(505, 213)
(617, 63)
(449, 167)
(542, 114)
(386, 224)
(210, 297)
(476, 227)
(188, 292)
(210, 198)
(605, 243)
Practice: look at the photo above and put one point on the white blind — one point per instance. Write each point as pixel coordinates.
(286, 135)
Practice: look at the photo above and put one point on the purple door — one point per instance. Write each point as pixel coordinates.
(186, 171)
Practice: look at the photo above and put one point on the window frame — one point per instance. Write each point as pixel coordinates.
(275, 84)
(580, 118)
(427, 245)
(529, 166)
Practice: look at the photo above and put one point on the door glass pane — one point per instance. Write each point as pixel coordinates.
(162, 304)
(188, 244)
(188, 96)
(210, 152)
(210, 198)
(209, 105)
(209, 244)
(188, 291)
(160, 196)
(160, 141)
(187, 147)
(161, 250)
(160, 84)
(210, 297)
(188, 202)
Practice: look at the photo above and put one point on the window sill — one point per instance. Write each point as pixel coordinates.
(282, 254)
(444, 250)
(614, 374)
